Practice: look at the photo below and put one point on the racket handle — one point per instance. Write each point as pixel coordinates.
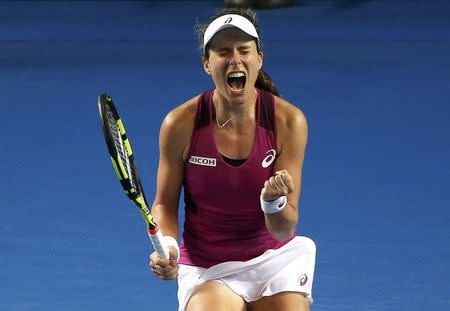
(158, 242)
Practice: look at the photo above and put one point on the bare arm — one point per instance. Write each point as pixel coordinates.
(174, 138)
(292, 136)
(169, 179)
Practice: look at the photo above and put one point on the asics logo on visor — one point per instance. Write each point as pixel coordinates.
(228, 20)
(269, 158)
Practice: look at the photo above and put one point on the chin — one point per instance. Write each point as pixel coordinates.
(241, 94)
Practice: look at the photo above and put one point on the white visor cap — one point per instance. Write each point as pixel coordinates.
(228, 21)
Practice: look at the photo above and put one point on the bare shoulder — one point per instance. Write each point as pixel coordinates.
(177, 126)
(181, 117)
(288, 117)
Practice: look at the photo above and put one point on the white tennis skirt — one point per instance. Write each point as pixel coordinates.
(289, 268)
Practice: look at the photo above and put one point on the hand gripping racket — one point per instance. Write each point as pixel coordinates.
(123, 161)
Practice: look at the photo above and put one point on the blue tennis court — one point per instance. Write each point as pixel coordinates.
(373, 78)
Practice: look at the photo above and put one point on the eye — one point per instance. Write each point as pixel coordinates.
(222, 52)
(244, 51)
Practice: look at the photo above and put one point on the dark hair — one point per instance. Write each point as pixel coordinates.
(263, 81)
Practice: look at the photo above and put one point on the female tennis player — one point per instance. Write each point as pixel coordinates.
(237, 151)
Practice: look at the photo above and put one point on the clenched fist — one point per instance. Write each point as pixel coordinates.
(278, 185)
(165, 269)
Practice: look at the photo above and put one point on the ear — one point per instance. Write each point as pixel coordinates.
(206, 66)
(260, 59)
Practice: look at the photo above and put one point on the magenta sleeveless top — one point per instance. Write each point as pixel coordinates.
(223, 217)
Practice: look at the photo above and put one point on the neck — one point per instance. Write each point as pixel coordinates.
(227, 112)
(226, 108)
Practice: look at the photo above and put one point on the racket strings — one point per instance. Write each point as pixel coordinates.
(120, 145)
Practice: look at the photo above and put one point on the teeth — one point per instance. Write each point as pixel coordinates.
(236, 75)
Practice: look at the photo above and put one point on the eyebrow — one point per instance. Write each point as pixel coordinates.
(243, 46)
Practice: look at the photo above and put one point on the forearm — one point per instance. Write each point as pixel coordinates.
(167, 219)
(282, 224)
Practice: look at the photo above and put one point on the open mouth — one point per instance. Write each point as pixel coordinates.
(236, 80)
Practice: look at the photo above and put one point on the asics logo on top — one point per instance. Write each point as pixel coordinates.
(202, 161)
(228, 20)
(269, 158)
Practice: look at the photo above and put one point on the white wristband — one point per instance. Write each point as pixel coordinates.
(274, 206)
(170, 241)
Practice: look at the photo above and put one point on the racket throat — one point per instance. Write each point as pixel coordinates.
(148, 218)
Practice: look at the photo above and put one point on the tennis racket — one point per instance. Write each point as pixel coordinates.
(123, 161)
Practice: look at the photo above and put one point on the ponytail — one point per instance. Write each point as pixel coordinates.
(264, 82)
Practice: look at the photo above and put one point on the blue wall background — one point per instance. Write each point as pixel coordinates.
(373, 79)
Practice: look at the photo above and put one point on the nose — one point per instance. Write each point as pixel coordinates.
(235, 58)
